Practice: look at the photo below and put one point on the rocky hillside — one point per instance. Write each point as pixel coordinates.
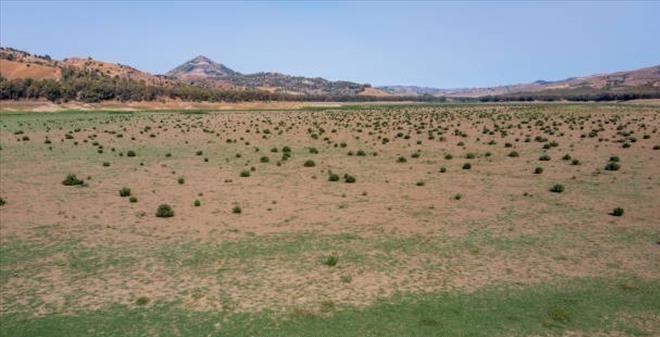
(205, 72)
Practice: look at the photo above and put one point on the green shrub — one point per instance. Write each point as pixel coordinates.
(236, 210)
(349, 178)
(142, 300)
(566, 157)
(617, 211)
(513, 154)
(557, 188)
(264, 159)
(575, 162)
(544, 157)
(130, 153)
(164, 211)
(72, 180)
(245, 173)
(133, 199)
(420, 183)
(443, 169)
(106, 163)
(448, 156)
(181, 180)
(615, 159)
(197, 203)
(467, 166)
(538, 170)
(401, 159)
(2, 202)
(333, 177)
(330, 260)
(125, 192)
(309, 163)
(612, 166)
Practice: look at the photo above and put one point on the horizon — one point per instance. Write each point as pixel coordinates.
(311, 40)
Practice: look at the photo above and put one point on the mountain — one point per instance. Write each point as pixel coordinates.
(646, 79)
(205, 72)
(201, 67)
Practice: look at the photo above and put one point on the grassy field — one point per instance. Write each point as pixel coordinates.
(424, 220)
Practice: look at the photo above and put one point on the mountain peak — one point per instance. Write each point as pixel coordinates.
(202, 67)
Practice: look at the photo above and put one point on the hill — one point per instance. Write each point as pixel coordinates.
(205, 72)
(644, 79)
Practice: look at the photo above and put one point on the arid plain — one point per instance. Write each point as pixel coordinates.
(533, 219)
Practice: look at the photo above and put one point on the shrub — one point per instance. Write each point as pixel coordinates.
(199, 153)
(443, 169)
(557, 188)
(106, 163)
(164, 211)
(538, 170)
(236, 210)
(361, 153)
(566, 157)
(612, 166)
(130, 153)
(330, 260)
(458, 196)
(448, 156)
(470, 156)
(181, 180)
(245, 173)
(142, 300)
(349, 179)
(2, 202)
(125, 192)
(72, 180)
(513, 154)
(617, 211)
(264, 159)
(420, 183)
(333, 177)
(309, 163)
(615, 159)
(197, 203)
(544, 157)
(467, 166)
(133, 199)
(575, 162)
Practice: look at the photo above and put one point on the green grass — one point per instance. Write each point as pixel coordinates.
(586, 305)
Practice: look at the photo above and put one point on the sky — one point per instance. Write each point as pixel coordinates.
(436, 44)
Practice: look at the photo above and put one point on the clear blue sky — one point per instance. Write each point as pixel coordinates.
(443, 45)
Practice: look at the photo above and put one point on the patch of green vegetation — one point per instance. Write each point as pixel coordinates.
(584, 305)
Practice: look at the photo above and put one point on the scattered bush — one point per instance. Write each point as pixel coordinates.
(617, 211)
(125, 192)
(557, 188)
(309, 163)
(72, 180)
(612, 166)
(330, 260)
(164, 211)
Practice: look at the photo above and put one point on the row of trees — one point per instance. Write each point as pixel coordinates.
(95, 87)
